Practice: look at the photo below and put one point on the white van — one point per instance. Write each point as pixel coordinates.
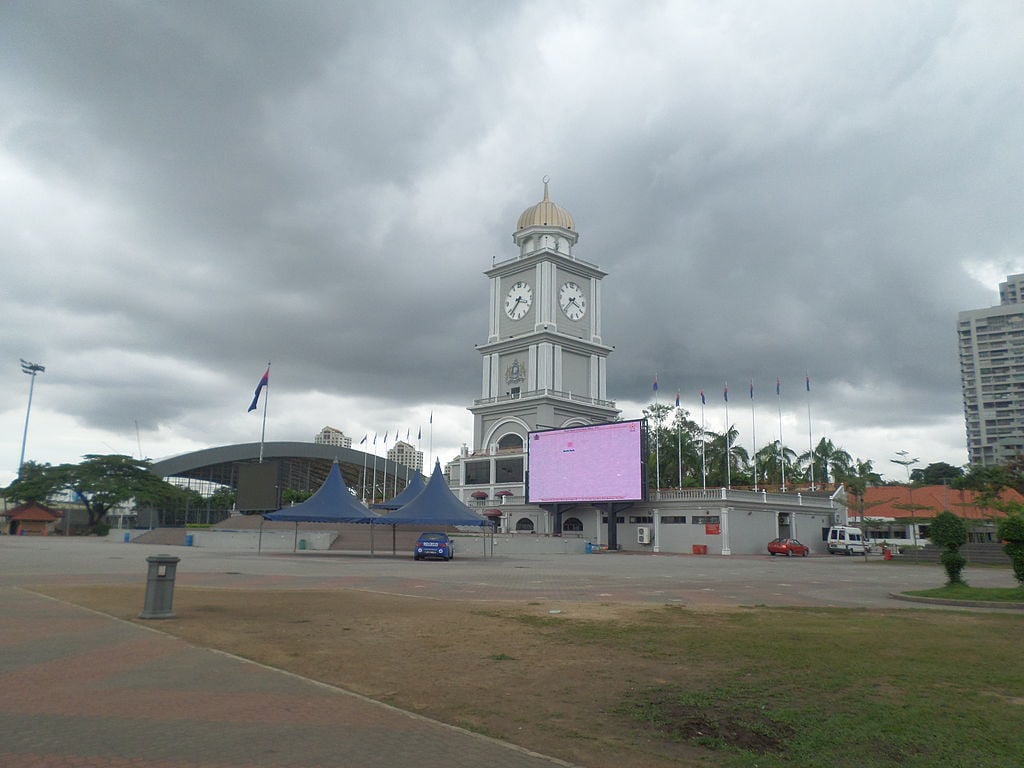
(849, 541)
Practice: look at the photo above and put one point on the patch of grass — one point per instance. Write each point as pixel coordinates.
(502, 657)
(980, 594)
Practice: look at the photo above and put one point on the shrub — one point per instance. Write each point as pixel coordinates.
(948, 531)
(1011, 530)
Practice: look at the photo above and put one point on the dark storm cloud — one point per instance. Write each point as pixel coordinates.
(192, 189)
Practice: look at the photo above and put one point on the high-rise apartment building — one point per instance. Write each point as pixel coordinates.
(407, 455)
(992, 376)
(332, 436)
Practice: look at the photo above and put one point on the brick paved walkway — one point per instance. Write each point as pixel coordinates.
(79, 689)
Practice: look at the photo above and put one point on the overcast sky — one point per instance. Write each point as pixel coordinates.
(191, 189)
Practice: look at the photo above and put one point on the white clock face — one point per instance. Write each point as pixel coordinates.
(518, 300)
(572, 301)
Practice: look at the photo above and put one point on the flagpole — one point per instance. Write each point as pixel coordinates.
(363, 442)
(810, 439)
(679, 445)
(430, 437)
(657, 453)
(782, 457)
(728, 441)
(373, 478)
(703, 446)
(753, 433)
(266, 397)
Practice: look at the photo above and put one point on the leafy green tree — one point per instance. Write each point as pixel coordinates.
(769, 467)
(1010, 529)
(949, 532)
(936, 473)
(100, 482)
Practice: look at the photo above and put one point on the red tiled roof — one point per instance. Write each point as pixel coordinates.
(33, 511)
(895, 501)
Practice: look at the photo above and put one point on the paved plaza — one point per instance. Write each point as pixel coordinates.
(78, 688)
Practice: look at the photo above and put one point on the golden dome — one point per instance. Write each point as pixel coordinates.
(545, 214)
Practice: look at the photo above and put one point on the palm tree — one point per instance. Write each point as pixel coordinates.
(827, 460)
(772, 459)
(718, 445)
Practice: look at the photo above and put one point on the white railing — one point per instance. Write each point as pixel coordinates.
(573, 397)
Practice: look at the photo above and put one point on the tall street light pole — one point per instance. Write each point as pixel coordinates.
(907, 463)
(31, 369)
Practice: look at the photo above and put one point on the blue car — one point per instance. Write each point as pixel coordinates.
(434, 545)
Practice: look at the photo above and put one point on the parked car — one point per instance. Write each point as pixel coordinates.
(434, 545)
(787, 547)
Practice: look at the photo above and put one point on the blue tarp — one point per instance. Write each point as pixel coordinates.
(412, 490)
(332, 503)
(436, 505)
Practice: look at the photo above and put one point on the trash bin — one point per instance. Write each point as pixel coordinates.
(188, 539)
(887, 553)
(302, 543)
(700, 549)
(127, 537)
(160, 587)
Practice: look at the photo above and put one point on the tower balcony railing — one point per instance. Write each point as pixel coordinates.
(536, 393)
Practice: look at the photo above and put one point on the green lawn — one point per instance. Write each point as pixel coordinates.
(824, 687)
(979, 594)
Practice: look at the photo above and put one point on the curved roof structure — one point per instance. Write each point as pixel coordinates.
(545, 214)
(301, 466)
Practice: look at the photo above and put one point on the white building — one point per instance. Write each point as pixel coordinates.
(332, 436)
(992, 376)
(406, 455)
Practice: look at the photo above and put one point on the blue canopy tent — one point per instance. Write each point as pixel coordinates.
(332, 503)
(412, 490)
(435, 506)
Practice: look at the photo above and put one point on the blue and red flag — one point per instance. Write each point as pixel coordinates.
(702, 400)
(778, 387)
(677, 399)
(264, 382)
(808, 379)
(725, 393)
(751, 389)
(655, 382)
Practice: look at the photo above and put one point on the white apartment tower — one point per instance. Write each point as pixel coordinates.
(992, 376)
(332, 436)
(406, 455)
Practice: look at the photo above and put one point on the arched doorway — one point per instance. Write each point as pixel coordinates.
(524, 525)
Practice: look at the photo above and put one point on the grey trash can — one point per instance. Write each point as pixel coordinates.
(160, 587)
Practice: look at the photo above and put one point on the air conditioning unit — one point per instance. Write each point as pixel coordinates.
(643, 535)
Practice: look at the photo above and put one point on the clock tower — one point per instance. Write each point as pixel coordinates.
(544, 363)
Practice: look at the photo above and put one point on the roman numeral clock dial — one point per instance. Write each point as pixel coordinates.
(518, 300)
(572, 301)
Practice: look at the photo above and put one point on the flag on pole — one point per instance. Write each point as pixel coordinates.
(364, 438)
(374, 438)
(808, 379)
(702, 400)
(655, 382)
(751, 389)
(725, 393)
(407, 429)
(677, 399)
(419, 433)
(431, 421)
(264, 381)
(778, 387)
(385, 438)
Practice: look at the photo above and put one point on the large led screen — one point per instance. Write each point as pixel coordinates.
(603, 462)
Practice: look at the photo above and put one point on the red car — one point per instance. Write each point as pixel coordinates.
(788, 547)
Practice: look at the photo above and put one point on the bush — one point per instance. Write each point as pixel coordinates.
(1011, 530)
(948, 531)
(100, 529)
(954, 564)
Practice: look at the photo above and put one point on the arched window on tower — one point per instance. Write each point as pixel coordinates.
(510, 442)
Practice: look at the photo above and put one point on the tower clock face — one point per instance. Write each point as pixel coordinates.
(572, 301)
(518, 300)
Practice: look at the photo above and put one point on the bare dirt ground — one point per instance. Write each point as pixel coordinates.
(502, 671)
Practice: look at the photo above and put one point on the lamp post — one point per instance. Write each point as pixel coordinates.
(31, 369)
(907, 463)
